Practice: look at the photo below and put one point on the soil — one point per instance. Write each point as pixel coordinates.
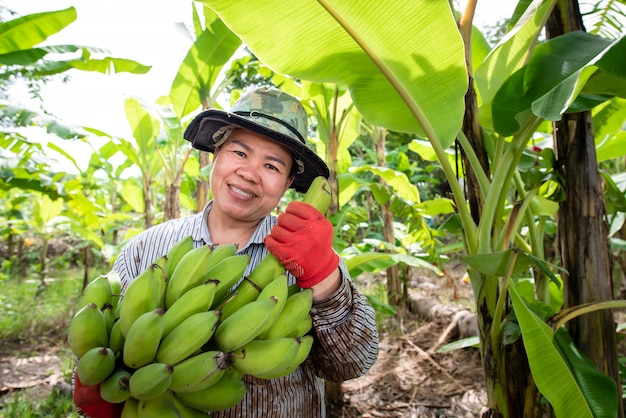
(409, 379)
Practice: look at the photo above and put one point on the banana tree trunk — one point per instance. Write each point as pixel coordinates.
(149, 221)
(172, 196)
(87, 260)
(583, 232)
(510, 390)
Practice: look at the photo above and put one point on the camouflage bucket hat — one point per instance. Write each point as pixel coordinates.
(267, 111)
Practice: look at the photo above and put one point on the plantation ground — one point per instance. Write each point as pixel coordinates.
(408, 380)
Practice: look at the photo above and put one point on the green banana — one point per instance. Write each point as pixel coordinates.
(302, 328)
(162, 406)
(228, 272)
(114, 389)
(87, 330)
(232, 373)
(297, 308)
(190, 272)
(220, 252)
(98, 291)
(278, 288)
(131, 408)
(306, 343)
(244, 325)
(95, 365)
(250, 288)
(160, 276)
(109, 316)
(187, 411)
(196, 299)
(188, 337)
(293, 289)
(116, 339)
(176, 252)
(199, 372)
(143, 339)
(140, 297)
(116, 287)
(260, 358)
(150, 381)
(224, 394)
(319, 194)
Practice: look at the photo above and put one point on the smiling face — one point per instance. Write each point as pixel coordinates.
(249, 176)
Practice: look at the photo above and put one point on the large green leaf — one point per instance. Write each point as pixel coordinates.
(145, 127)
(599, 389)
(132, 194)
(376, 261)
(510, 54)
(45, 210)
(202, 65)
(396, 179)
(555, 74)
(27, 31)
(550, 370)
(390, 54)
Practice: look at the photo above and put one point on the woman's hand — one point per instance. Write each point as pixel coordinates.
(302, 240)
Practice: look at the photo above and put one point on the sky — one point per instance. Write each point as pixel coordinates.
(145, 31)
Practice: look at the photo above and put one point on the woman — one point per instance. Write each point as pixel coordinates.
(259, 152)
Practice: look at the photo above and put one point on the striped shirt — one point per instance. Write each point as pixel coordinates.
(344, 327)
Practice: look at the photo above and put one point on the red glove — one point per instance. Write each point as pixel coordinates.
(88, 399)
(302, 240)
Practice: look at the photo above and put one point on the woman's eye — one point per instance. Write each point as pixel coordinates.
(271, 167)
(239, 153)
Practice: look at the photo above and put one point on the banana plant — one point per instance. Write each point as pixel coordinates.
(405, 66)
(197, 83)
(44, 222)
(143, 153)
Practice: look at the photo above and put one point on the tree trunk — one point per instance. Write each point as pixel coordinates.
(202, 185)
(10, 245)
(87, 260)
(172, 196)
(585, 249)
(582, 228)
(507, 373)
(147, 199)
(114, 210)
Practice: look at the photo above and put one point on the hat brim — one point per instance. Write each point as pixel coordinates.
(201, 129)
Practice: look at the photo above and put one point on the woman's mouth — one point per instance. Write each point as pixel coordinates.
(240, 192)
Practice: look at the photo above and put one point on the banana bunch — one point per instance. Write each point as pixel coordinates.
(185, 332)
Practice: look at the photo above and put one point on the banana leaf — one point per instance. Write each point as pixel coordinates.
(552, 371)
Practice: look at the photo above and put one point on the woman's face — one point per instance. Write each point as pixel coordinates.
(250, 174)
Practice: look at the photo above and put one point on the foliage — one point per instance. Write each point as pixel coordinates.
(346, 79)
(29, 311)
(23, 405)
(520, 83)
(35, 316)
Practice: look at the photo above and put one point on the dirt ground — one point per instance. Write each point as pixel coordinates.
(408, 380)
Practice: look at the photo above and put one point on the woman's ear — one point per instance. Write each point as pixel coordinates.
(288, 183)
